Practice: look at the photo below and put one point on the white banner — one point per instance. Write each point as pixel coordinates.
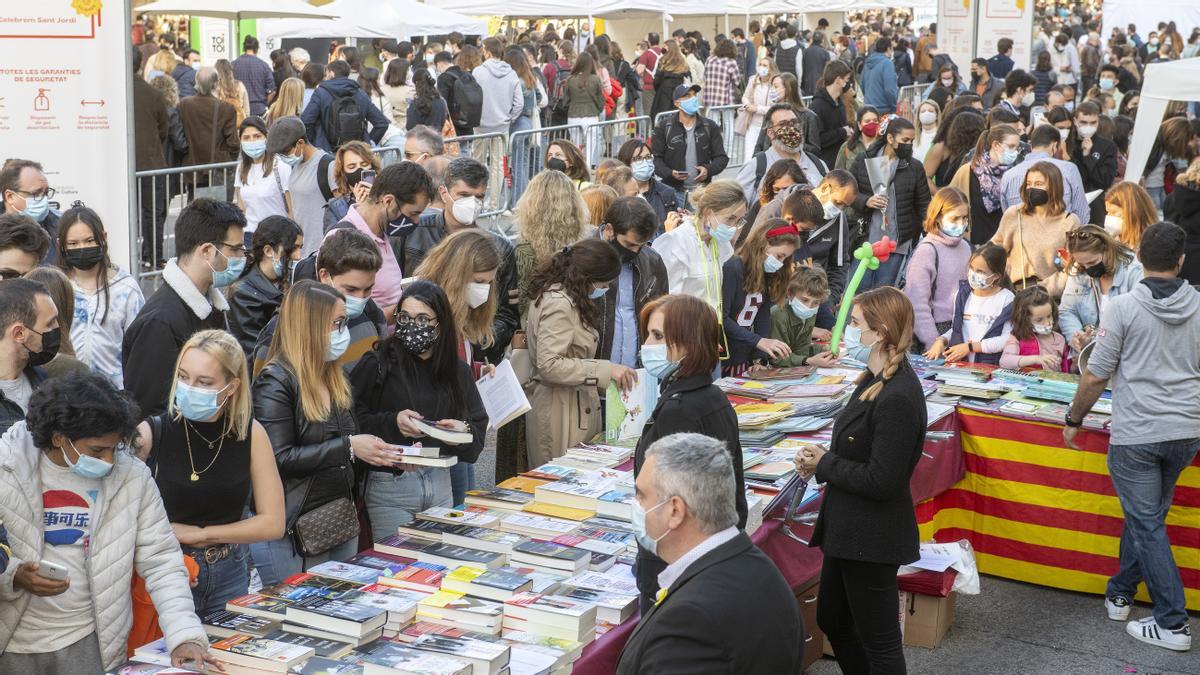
(65, 76)
(215, 41)
(956, 32)
(1012, 19)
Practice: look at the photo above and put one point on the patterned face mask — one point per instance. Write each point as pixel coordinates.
(416, 339)
(789, 137)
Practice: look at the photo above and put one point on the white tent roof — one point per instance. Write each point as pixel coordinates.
(1161, 84)
(395, 19)
(237, 9)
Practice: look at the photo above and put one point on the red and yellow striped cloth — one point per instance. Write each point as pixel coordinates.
(1039, 512)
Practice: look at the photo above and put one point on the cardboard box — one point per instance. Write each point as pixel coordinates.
(904, 596)
(927, 618)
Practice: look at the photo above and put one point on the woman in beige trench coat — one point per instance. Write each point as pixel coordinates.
(562, 326)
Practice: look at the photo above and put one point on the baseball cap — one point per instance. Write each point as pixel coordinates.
(685, 89)
(283, 134)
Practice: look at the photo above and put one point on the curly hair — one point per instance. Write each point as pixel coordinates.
(1023, 304)
(578, 268)
(551, 214)
(80, 405)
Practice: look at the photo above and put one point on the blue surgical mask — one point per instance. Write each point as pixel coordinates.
(831, 211)
(231, 272)
(86, 466)
(655, 361)
(339, 341)
(355, 306)
(598, 293)
(954, 229)
(37, 208)
(1179, 162)
(1107, 84)
(643, 169)
(724, 233)
(801, 310)
(853, 338)
(278, 267)
(638, 521)
(196, 403)
(1010, 156)
(690, 106)
(771, 264)
(290, 160)
(254, 149)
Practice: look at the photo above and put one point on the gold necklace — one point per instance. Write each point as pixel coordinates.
(188, 441)
(203, 437)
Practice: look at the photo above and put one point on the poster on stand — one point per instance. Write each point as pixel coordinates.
(956, 32)
(1012, 19)
(65, 78)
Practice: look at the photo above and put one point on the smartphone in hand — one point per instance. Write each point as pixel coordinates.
(49, 570)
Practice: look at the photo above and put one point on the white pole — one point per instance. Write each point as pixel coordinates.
(727, 24)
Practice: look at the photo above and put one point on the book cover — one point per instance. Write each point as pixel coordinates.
(224, 623)
(581, 541)
(259, 605)
(460, 602)
(626, 412)
(547, 549)
(268, 653)
(558, 511)
(522, 483)
(425, 529)
(403, 545)
(552, 472)
(383, 563)
(469, 517)
(493, 654)
(329, 649)
(419, 575)
(505, 499)
(405, 659)
(303, 585)
(320, 665)
(344, 571)
(504, 578)
(469, 556)
(520, 522)
(607, 583)
(551, 604)
(343, 610)
(614, 453)
(399, 609)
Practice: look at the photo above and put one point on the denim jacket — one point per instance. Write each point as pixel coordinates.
(1080, 306)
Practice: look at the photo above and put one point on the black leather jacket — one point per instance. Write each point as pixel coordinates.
(314, 457)
(255, 300)
(649, 282)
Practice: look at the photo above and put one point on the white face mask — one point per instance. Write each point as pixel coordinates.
(478, 294)
(927, 117)
(1113, 225)
(1063, 133)
(1086, 132)
(1028, 99)
(465, 210)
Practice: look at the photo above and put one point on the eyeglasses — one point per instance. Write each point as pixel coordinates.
(420, 320)
(236, 248)
(48, 193)
(340, 324)
(1079, 235)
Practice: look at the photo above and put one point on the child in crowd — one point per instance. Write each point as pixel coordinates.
(982, 312)
(752, 282)
(937, 267)
(792, 324)
(1034, 343)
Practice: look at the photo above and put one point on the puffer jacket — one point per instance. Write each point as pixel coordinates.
(912, 192)
(131, 532)
(313, 456)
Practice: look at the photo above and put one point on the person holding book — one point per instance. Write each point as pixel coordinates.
(208, 456)
(348, 261)
(563, 329)
(724, 606)
(73, 496)
(867, 528)
(275, 247)
(752, 282)
(680, 340)
(1100, 269)
(982, 319)
(793, 323)
(466, 266)
(938, 264)
(1034, 343)
(412, 378)
(302, 399)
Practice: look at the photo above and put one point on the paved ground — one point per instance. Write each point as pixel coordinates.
(1021, 629)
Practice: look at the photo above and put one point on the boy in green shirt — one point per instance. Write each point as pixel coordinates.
(792, 323)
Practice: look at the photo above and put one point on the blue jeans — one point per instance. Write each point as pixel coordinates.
(393, 501)
(277, 560)
(221, 581)
(462, 478)
(1157, 195)
(884, 276)
(1144, 477)
(681, 198)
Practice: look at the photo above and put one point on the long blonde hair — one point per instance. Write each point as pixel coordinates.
(450, 265)
(300, 342)
(672, 60)
(753, 252)
(890, 313)
(288, 101)
(719, 195)
(225, 350)
(551, 214)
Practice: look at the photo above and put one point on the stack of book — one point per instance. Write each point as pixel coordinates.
(552, 616)
(459, 610)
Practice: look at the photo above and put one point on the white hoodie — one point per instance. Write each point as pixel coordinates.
(503, 100)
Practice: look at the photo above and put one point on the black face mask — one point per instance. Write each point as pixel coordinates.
(556, 164)
(625, 254)
(1037, 197)
(354, 177)
(416, 339)
(1095, 271)
(904, 151)
(84, 258)
(50, 343)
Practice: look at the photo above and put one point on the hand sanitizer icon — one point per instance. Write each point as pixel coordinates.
(41, 102)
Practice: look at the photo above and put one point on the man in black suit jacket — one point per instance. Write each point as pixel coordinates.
(724, 607)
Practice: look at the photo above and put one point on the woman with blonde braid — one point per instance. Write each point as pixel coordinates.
(867, 527)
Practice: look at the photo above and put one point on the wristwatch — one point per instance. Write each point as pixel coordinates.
(1070, 422)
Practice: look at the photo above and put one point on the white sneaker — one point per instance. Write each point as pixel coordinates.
(1148, 631)
(1118, 608)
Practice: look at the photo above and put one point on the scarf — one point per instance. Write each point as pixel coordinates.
(989, 173)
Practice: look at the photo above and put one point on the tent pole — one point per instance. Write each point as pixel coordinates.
(727, 24)
(665, 27)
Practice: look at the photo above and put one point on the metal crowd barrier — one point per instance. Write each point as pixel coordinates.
(527, 154)
(491, 150)
(724, 116)
(159, 193)
(606, 138)
(907, 101)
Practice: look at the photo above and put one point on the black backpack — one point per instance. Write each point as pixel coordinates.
(466, 103)
(347, 122)
(558, 90)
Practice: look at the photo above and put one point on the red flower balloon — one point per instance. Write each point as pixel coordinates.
(883, 248)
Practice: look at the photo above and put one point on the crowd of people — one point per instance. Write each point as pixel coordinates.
(357, 302)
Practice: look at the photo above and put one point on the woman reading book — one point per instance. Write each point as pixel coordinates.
(413, 378)
(679, 348)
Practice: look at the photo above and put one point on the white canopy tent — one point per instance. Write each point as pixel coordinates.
(235, 10)
(1145, 14)
(1161, 84)
(395, 19)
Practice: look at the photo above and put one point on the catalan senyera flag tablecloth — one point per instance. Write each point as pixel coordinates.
(1039, 512)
